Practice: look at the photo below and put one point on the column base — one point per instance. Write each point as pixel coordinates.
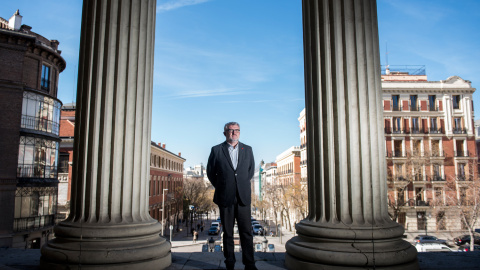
(130, 249)
(349, 248)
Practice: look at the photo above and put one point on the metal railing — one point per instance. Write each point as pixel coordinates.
(32, 223)
(433, 108)
(434, 130)
(39, 123)
(461, 153)
(36, 171)
(459, 131)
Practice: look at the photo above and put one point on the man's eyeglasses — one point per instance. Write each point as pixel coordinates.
(233, 130)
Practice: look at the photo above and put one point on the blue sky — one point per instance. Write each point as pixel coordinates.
(230, 60)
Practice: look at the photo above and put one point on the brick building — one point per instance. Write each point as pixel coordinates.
(430, 148)
(65, 159)
(166, 172)
(30, 115)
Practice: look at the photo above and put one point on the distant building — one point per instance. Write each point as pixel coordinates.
(430, 148)
(166, 179)
(65, 159)
(196, 172)
(30, 65)
(288, 166)
(303, 147)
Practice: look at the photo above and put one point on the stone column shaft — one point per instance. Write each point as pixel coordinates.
(348, 223)
(109, 225)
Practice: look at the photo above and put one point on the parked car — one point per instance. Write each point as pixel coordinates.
(214, 230)
(257, 229)
(432, 247)
(429, 239)
(254, 222)
(215, 223)
(465, 239)
(467, 248)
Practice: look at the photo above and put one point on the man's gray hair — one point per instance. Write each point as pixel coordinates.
(230, 124)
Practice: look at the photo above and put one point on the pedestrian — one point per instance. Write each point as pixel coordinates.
(230, 168)
(195, 235)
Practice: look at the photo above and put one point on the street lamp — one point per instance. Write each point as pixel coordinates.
(163, 206)
(211, 244)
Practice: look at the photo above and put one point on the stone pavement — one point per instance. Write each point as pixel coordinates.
(187, 255)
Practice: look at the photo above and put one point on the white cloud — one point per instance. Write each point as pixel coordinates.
(174, 4)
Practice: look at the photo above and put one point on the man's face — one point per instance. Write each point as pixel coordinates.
(232, 133)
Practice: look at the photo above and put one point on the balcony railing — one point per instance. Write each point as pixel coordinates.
(433, 108)
(32, 223)
(414, 108)
(461, 177)
(436, 178)
(396, 108)
(459, 131)
(434, 130)
(36, 171)
(398, 130)
(395, 154)
(438, 154)
(422, 203)
(461, 153)
(39, 123)
(416, 130)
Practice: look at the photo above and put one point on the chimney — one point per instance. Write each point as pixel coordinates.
(160, 144)
(163, 146)
(15, 21)
(179, 154)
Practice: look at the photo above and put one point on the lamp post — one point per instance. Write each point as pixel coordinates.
(211, 244)
(163, 207)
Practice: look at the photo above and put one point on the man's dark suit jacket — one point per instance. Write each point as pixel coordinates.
(225, 179)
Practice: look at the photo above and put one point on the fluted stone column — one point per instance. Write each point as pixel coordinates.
(348, 225)
(109, 226)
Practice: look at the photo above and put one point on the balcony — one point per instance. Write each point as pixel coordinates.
(434, 130)
(416, 130)
(422, 203)
(33, 223)
(398, 130)
(36, 171)
(438, 154)
(459, 131)
(461, 153)
(436, 178)
(460, 177)
(396, 108)
(40, 124)
(433, 108)
(414, 108)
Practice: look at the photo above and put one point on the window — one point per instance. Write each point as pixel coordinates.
(415, 125)
(413, 103)
(396, 103)
(400, 176)
(45, 84)
(436, 172)
(40, 113)
(433, 125)
(459, 148)
(398, 148)
(457, 125)
(421, 221)
(397, 122)
(35, 207)
(417, 147)
(432, 102)
(441, 222)
(461, 171)
(436, 148)
(63, 163)
(37, 158)
(456, 101)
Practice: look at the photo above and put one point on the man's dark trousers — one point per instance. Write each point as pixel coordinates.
(228, 215)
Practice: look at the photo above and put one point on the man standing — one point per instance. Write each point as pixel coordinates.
(230, 168)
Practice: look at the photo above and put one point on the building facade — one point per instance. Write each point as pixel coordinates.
(430, 149)
(166, 185)
(288, 166)
(30, 115)
(303, 147)
(65, 159)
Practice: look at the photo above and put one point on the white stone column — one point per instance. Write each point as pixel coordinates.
(109, 225)
(348, 223)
